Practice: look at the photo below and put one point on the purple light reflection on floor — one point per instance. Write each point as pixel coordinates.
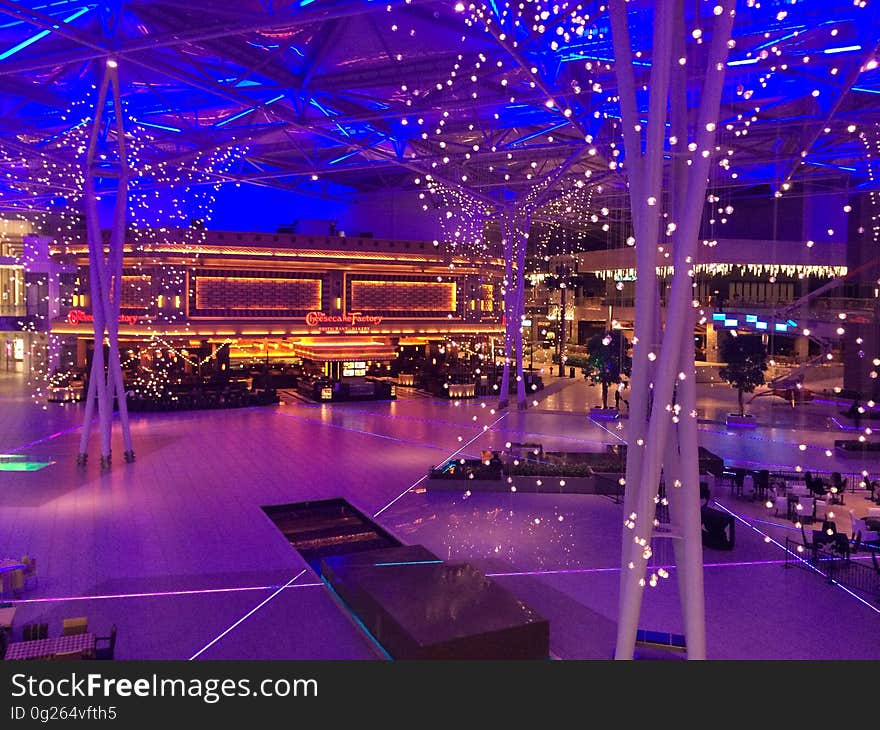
(578, 571)
(451, 456)
(120, 532)
(769, 539)
(361, 431)
(456, 424)
(154, 594)
(44, 439)
(842, 427)
(619, 438)
(244, 618)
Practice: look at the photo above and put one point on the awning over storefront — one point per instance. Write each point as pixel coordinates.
(339, 349)
(430, 328)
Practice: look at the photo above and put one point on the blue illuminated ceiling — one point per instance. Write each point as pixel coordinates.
(352, 92)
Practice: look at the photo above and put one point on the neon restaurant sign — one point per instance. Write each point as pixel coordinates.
(77, 316)
(351, 322)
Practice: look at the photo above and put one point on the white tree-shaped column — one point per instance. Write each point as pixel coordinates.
(663, 433)
(515, 224)
(106, 159)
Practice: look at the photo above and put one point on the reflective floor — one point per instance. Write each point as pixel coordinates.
(176, 551)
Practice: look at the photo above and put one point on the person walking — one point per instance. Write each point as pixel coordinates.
(855, 412)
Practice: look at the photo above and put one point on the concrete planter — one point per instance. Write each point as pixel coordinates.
(850, 448)
(604, 414)
(737, 421)
(599, 483)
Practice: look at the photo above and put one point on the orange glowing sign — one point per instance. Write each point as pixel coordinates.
(76, 316)
(350, 322)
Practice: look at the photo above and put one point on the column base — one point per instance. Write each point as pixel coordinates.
(105, 461)
(129, 457)
(81, 459)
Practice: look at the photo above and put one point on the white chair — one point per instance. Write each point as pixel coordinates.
(823, 510)
(804, 509)
(859, 527)
(779, 501)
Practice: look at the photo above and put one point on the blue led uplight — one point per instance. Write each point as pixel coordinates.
(742, 62)
(235, 116)
(241, 114)
(42, 34)
(842, 49)
(158, 126)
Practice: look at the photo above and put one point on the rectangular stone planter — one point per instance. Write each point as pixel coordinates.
(735, 420)
(600, 483)
(855, 448)
(604, 414)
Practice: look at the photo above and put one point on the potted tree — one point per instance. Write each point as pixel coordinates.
(746, 359)
(607, 360)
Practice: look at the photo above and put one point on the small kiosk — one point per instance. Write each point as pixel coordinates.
(339, 368)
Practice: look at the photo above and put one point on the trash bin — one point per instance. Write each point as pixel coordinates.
(717, 528)
(571, 372)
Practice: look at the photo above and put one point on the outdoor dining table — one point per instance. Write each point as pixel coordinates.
(48, 648)
(799, 489)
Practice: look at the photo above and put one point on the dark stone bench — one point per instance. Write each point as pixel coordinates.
(854, 447)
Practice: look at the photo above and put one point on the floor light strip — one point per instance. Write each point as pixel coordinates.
(451, 456)
(246, 616)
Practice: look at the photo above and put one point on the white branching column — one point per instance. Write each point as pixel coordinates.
(522, 223)
(515, 238)
(106, 159)
(507, 245)
(665, 393)
(645, 175)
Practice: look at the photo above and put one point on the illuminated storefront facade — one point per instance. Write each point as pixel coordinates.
(29, 285)
(785, 290)
(341, 302)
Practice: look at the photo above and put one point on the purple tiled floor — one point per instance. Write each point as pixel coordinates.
(175, 550)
